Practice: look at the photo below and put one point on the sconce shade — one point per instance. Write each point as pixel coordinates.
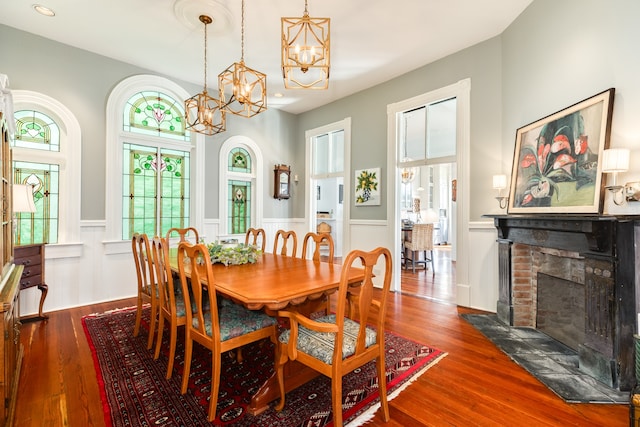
(305, 52)
(499, 182)
(23, 198)
(615, 160)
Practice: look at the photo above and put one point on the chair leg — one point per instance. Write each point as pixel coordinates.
(413, 261)
(152, 326)
(188, 352)
(382, 386)
(281, 360)
(136, 328)
(172, 349)
(215, 385)
(433, 266)
(159, 337)
(336, 398)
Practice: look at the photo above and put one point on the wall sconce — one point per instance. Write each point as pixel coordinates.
(500, 183)
(616, 160)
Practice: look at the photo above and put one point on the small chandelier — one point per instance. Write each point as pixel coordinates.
(243, 91)
(305, 52)
(202, 112)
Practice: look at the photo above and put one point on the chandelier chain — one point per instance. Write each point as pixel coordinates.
(242, 35)
(205, 55)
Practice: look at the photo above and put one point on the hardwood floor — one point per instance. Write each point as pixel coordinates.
(476, 384)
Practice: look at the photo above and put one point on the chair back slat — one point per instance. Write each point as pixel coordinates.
(164, 275)
(143, 258)
(255, 237)
(187, 234)
(318, 240)
(286, 237)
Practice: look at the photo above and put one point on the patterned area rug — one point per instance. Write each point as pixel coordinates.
(135, 392)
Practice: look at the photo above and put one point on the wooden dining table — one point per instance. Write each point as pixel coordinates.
(273, 283)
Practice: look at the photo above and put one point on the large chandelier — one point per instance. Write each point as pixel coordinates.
(243, 91)
(305, 52)
(202, 112)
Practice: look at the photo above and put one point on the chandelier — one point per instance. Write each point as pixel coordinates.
(202, 112)
(305, 52)
(243, 91)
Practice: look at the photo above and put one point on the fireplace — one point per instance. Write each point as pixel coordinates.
(574, 278)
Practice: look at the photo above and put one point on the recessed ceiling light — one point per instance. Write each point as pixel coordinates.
(43, 10)
(278, 95)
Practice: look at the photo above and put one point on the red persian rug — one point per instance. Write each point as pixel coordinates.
(135, 392)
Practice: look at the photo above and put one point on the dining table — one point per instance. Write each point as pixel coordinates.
(273, 283)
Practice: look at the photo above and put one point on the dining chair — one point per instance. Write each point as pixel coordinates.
(285, 237)
(171, 307)
(184, 234)
(254, 236)
(336, 344)
(147, 288)
(421, 241)
(218, 328)
(318, 240)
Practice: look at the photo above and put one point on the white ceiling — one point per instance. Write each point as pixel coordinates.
(372, 41)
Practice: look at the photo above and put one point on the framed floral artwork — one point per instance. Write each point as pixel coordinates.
(367, 187)
(557, 165)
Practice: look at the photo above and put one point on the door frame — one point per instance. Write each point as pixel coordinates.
(460, 252)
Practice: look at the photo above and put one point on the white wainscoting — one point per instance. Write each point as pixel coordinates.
(96, 270)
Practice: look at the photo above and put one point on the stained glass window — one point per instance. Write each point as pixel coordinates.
(239, 160)
(155, 113)
(150, 173)
(239, 206)
(42, 225)
(36, 130)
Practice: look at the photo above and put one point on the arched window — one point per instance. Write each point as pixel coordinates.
(150, 178)
(46, 156)
(240, 167)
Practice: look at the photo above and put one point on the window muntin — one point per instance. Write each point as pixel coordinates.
(42, 225)
(155, 113)
(156, 190)
(428, 132)
(328, 153)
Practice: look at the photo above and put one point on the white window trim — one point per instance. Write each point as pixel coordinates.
(69, 159)
(256, 175)
(115, 136)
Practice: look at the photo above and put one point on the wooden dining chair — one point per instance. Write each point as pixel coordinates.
(218, 328)
(171, 307)
(184, 234)
(285, 237)
(147, 288)
(318, 241)
(255, 236)
(336, 344)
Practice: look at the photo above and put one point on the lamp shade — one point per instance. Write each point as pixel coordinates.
(615, 160)
(499, 182)
(23, 198)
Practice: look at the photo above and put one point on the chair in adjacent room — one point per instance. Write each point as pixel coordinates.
(171, 306)
(186, 234)
(319, 241)
(219, 328)
(336, 344)
(285, 237)
(421, 241)
(256, 237)
(147, 287)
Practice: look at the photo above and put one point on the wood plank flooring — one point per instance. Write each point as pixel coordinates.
(475, 385)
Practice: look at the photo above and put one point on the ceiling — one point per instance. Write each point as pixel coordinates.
(372, 41)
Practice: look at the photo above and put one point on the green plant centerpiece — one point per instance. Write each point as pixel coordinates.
(233, 253)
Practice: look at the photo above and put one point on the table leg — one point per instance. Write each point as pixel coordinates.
(44, 289)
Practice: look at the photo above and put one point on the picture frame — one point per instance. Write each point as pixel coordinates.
(367, 187)
(557, 161)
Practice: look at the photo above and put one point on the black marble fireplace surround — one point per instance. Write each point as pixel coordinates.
(608, 248)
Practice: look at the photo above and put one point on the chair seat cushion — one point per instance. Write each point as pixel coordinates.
(236, 320)
(320, 344)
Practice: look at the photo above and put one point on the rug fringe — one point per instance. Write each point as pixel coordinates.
(368, 415)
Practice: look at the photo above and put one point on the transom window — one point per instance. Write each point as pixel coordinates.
(155, 113)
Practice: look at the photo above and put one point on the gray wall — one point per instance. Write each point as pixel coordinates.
(555, 54)
(82, 81)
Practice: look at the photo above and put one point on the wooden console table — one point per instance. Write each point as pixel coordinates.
(32, 258)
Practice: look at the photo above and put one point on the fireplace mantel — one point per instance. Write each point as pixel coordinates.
(608, 246)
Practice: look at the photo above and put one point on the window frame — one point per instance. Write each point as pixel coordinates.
(69, 160)
(116, 136)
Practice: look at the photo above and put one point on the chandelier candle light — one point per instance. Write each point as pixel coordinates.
(202, 112)
(305, 52)
(243, 91)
